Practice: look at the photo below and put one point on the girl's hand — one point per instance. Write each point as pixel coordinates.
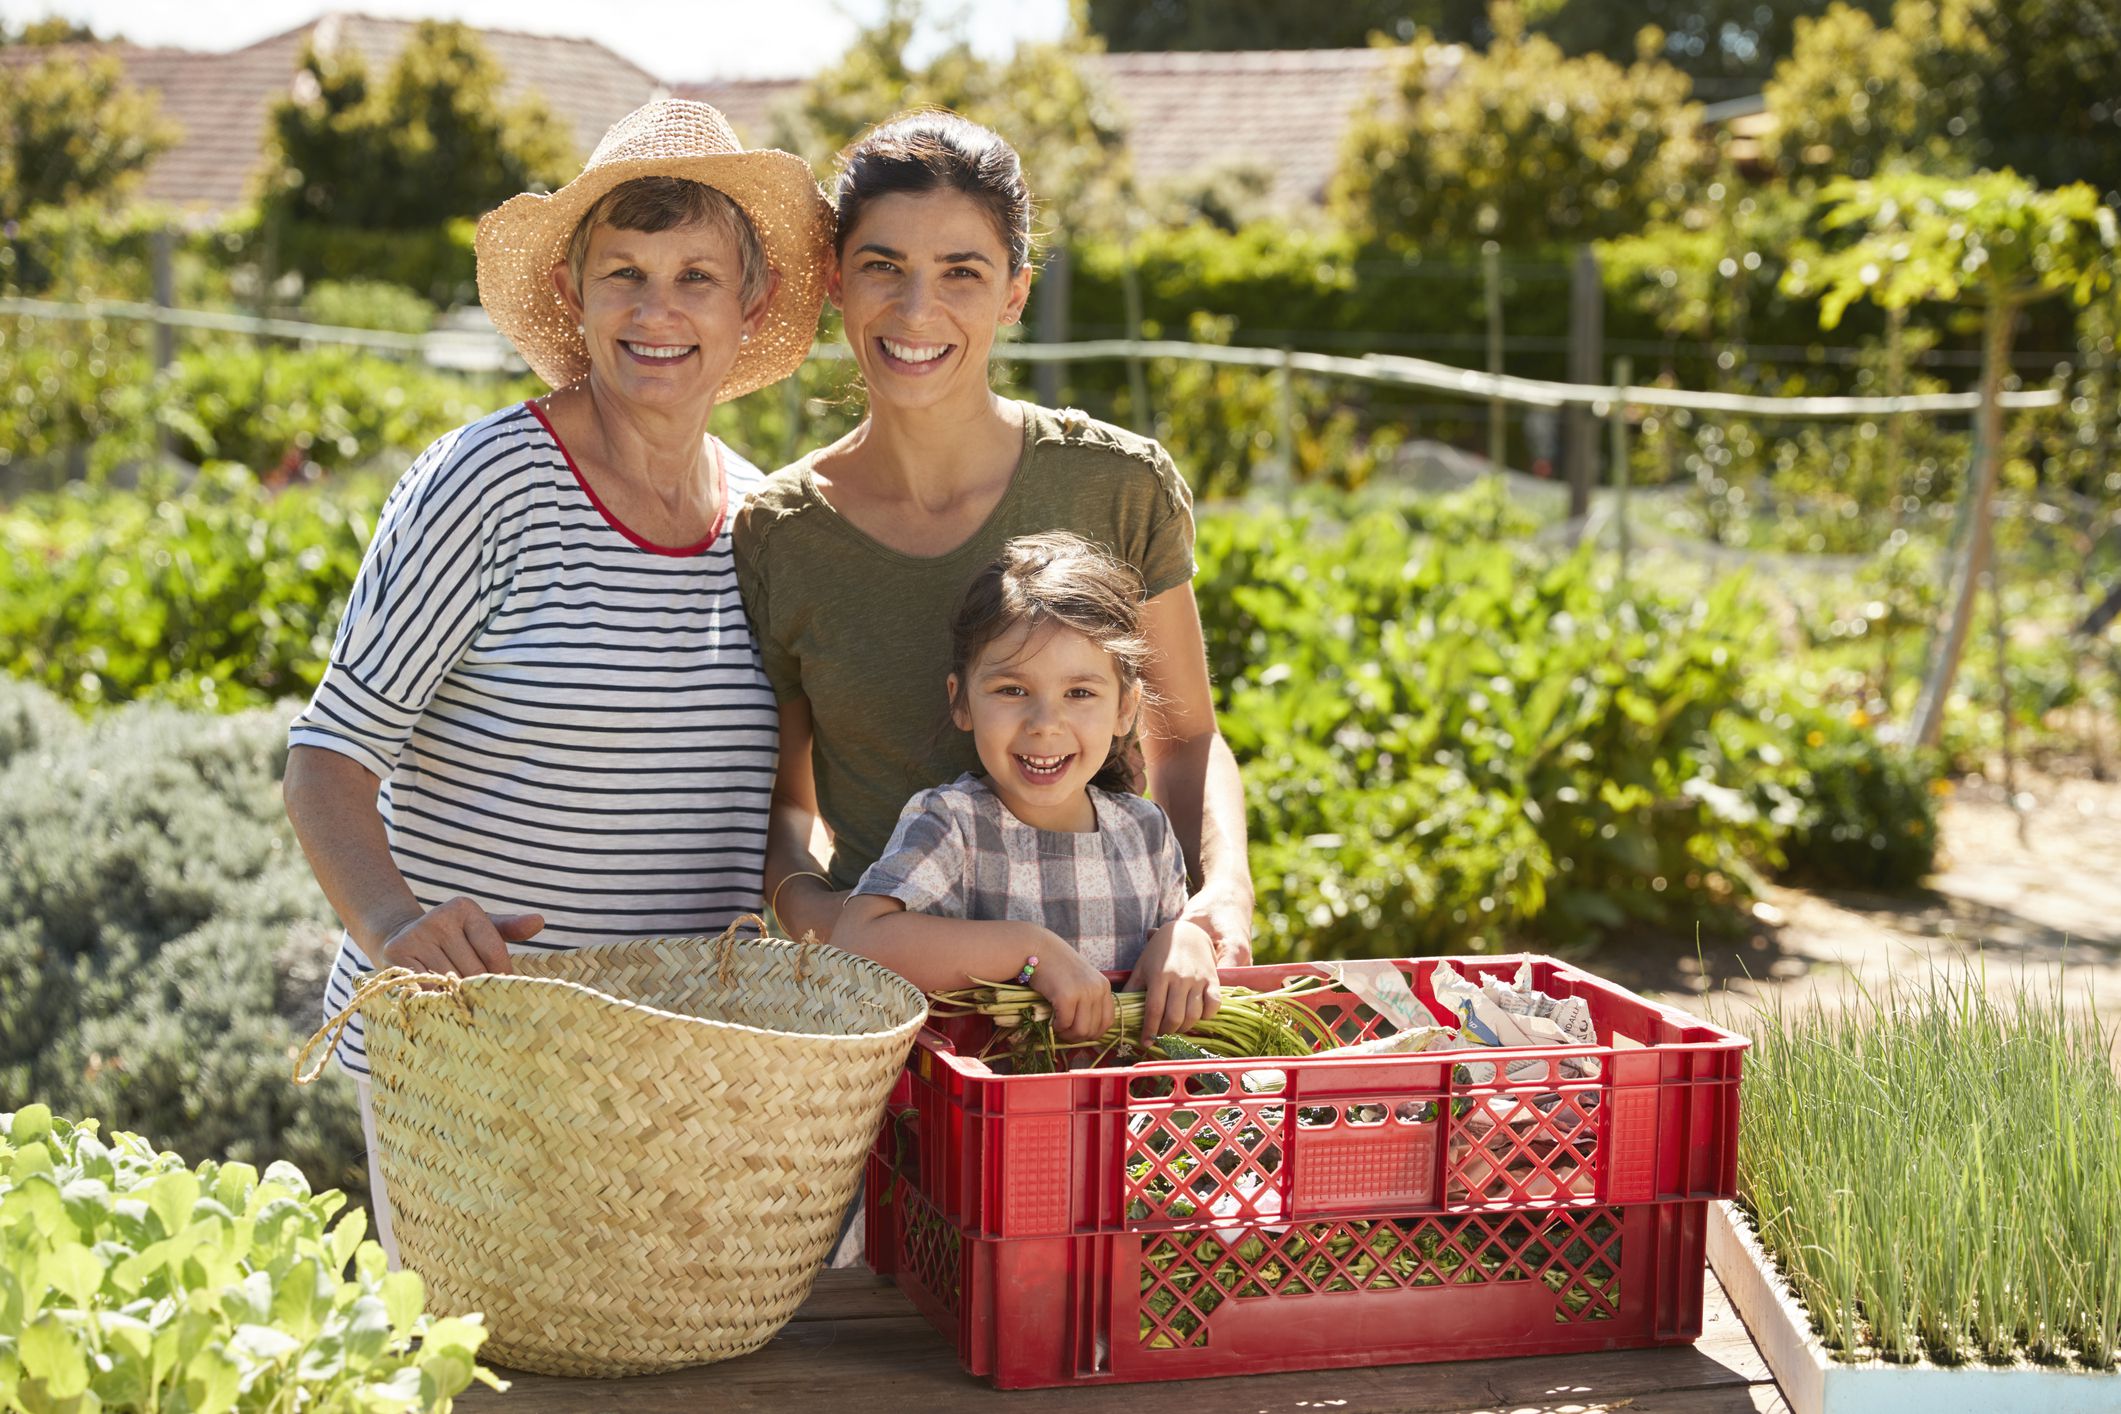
(1177, 970)
(1083, 1005)
(459, 937)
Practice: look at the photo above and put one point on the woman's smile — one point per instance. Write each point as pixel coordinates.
(912, 358)
(923, 283)
(658, 355)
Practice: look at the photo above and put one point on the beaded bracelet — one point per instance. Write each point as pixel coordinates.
(1023, 978)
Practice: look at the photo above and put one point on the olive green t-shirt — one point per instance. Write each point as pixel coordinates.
(864, 631)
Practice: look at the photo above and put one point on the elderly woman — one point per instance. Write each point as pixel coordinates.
(932, 258)
(543, 725)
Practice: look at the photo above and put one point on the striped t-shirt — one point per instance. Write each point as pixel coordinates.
(567, 719)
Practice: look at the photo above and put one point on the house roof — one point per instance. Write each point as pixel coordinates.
(1283, 111)
(221, 102)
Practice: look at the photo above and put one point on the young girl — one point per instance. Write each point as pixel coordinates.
(1044, 866)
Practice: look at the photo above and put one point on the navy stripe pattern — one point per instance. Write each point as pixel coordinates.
(566, 720)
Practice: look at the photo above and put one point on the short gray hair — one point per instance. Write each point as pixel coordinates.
(654, 204)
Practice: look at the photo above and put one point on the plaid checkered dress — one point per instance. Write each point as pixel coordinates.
(957, 852)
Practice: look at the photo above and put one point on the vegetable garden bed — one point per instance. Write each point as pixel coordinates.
(1930, 1204)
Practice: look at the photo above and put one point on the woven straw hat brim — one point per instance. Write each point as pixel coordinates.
(522, 239)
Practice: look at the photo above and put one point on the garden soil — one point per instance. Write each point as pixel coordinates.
(2029, 895)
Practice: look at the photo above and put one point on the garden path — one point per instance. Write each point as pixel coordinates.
(2043, 906)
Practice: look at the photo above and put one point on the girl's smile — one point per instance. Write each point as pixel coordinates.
(1044, 704)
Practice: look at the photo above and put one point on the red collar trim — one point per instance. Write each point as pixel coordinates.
(721, 482)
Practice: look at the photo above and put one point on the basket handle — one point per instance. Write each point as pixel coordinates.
(725, 948)
(391, 981)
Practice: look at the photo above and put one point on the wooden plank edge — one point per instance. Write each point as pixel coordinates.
(1813, 1382)
(1769, 1311)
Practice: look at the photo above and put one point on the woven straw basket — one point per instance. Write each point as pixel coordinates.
(631, 1158)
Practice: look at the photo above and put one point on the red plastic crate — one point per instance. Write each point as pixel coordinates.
(1172, 1220)
(1200, 1302)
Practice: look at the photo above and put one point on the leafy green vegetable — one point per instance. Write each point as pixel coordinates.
(136, 1284)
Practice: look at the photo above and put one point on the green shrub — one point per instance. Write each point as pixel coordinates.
(273, 407)
(1454, 746)
(1864, 818)
(437, 263)
(161, 938)
(221, 594)
(367, 304)
(129, 1283)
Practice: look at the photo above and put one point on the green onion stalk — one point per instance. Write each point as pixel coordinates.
(1247, 1024)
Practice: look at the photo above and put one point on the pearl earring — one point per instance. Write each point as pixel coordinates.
(745, 337)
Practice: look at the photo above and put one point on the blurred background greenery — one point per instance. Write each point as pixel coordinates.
(1466, 723)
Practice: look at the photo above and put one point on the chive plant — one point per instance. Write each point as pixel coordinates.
(1937, 1173)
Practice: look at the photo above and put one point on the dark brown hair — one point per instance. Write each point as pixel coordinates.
(935, 150)
(1060, 579)
(653, 204)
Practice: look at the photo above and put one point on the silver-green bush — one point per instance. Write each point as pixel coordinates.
(160, 933)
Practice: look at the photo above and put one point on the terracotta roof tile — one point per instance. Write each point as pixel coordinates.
(1282, 111)
(221, 102)
(1285, 111)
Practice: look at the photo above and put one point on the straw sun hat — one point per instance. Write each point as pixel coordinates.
(522, 239)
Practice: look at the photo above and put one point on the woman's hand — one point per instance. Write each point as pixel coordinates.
(1082, 1001)
(1177, 970)
(1226, 917)
(459, 937)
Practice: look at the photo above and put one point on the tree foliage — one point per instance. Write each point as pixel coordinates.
(2049, 89)
(1040, 99)
(1992, 238)
(1952, 85)
(1726, 46)
(431, 142)
(1995, 240)
(1855, 97)
(1151, 25)
(52, 29)
(1520, 144)
(73, 130)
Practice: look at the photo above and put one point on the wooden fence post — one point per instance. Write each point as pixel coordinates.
(1491, 281)
(1054, 285)
(1617, 421)
(162, 250)
(1586, 362)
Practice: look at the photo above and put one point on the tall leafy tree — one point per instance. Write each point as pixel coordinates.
(1993, 241)
(72, 130)
(1130, 25)
(1041, 99)
(49, 30)
(431, 142)
(2034, 85)
(1855, 97)
(2049, 89)
(1520, 144)
(1728, 47)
